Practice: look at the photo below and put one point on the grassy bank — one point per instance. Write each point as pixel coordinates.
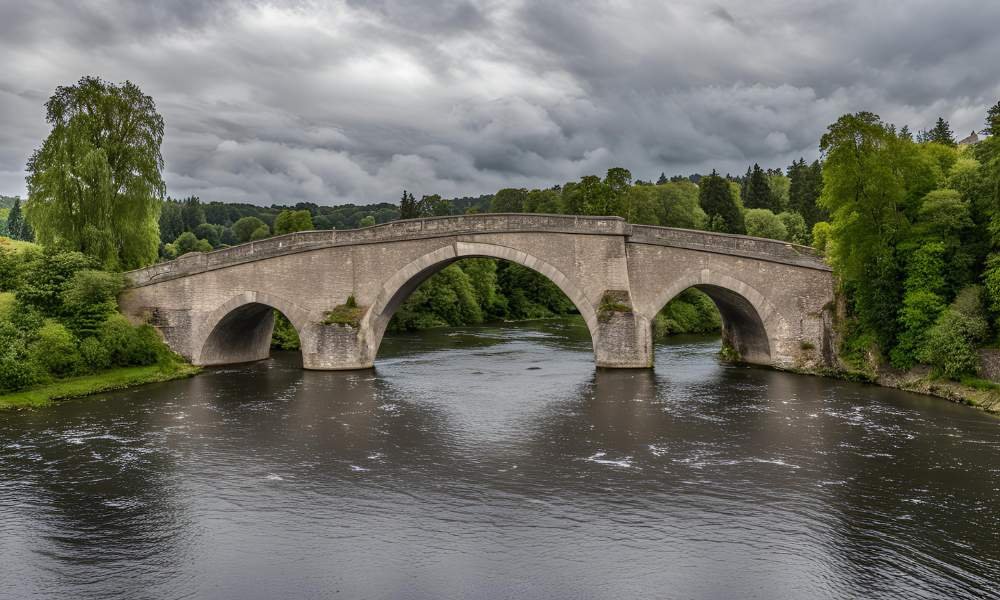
(114, 379)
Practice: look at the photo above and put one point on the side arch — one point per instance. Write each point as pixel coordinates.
(402, 283)
(750, 322)
(240, 329)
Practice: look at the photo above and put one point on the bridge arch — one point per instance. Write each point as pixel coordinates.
(751, 324)
(240, 329)
(407, 279)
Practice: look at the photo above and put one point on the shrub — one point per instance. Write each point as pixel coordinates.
(90, 287)
(93, 355)
(145, 346)
(44, 277)
(17, 370)
(54, 349)
(951, 346)
(11, 263)
(348, 313)
(119, 338)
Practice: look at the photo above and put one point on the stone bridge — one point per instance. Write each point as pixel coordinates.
(215, 308)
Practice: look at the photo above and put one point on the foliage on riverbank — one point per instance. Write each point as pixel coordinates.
(914, 238)
(105, 381)
(59, 320)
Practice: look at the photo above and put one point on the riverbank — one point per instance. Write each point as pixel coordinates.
(114, 379)
(977, 393)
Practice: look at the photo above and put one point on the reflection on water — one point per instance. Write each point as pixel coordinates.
(497, 463)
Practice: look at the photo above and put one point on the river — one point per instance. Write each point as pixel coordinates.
(495, 462)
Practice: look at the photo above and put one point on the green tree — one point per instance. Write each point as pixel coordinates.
(290, 221)
(821, 237)
(434, 206)
(944, 217)
(95, 185)
(408, 207)
(941, 133)
(192, 213)
(923, 302)
(795, 228)
(17, 228)
(992, 120)
(758, 192)
(261, 233)
(780, 187)
(542, 201)
(189, 242)
(367, 221)
(171, 221)
(88, 298)
(210, 233)
(719, 205)
(245, 228)
(872, 180)
(760, 222)
(680, 205)
(509, 200)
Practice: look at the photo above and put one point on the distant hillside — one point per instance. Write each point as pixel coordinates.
(7, 201)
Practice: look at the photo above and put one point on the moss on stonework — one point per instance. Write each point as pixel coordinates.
(613, 302)
(348, 313)
(729, 352)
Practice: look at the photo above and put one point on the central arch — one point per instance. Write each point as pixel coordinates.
(240, 330)
(751, 324)
(398, 287)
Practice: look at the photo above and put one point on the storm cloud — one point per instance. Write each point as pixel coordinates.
(280, 102)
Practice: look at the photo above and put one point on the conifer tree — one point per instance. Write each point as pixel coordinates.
(758, 192)
(718, 203)
(15, 221)
(663, 178)
(408, 208)
(992, 120)
(941, 133)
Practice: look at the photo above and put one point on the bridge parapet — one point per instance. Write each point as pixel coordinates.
(411, 229)
(734, 245)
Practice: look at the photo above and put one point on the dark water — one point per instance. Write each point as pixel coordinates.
(496, 463)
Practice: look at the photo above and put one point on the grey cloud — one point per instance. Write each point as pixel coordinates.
(352, 101)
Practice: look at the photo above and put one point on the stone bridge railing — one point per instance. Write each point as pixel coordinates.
(725, 243)
(304, 241)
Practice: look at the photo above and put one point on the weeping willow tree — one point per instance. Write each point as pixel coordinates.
(95, 186)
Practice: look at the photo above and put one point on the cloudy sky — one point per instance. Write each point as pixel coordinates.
(334, 102)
